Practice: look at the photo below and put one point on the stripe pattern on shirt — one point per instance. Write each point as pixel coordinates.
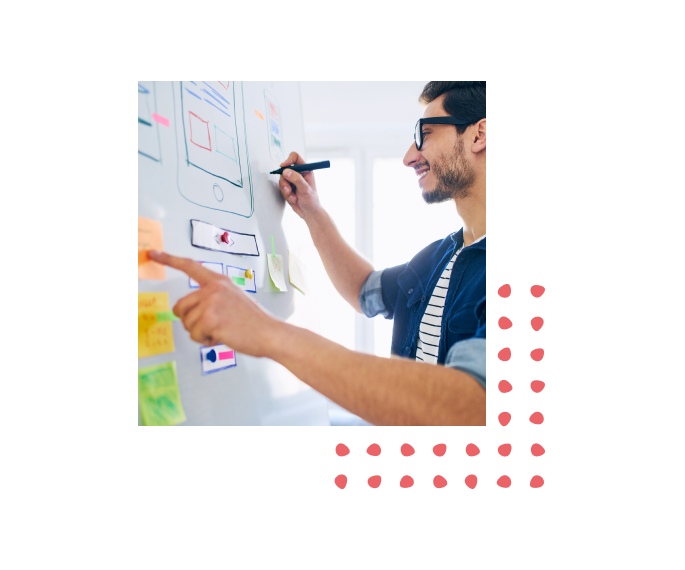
(430, 328)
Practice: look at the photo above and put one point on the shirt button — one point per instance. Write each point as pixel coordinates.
(423, 298)
(410, 291)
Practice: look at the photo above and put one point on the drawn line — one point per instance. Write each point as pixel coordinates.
(193, 94)
(144, 122)
(194, 83)
(142, 89)
(212, 96)
(213, 105)
(217, 93)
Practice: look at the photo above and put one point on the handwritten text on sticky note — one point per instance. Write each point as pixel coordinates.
(158, 397)
(154, 336)
(149, 237)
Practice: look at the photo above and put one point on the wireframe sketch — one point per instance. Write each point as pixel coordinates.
(213, 166)
(275, 128)
(148, 131)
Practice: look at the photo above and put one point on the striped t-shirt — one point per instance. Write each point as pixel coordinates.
(431, 323)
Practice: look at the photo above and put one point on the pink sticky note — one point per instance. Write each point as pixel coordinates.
(161, 120)
(228, 355)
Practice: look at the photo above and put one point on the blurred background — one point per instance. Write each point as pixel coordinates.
(364, 129)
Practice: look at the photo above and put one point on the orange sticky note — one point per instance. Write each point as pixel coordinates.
(149, 237)
(259, 114)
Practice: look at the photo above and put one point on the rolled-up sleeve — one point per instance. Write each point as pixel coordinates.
(469, 355)
(371, 296)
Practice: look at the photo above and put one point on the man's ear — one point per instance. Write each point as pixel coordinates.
(478, 143)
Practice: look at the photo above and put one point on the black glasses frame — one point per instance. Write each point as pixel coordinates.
(418, 130)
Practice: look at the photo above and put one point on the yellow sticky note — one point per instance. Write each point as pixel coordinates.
(149, 237)
(297, 273)
(154, 337)
(275, 263)
(158, 397)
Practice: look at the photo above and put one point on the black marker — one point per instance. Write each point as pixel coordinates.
(304, 167)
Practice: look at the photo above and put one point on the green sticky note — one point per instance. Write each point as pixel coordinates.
(238, 280)
(166, 316)
(158, 397)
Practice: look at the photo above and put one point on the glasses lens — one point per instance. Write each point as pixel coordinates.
(417, 135)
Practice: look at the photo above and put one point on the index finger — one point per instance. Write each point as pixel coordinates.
(191, 268)
(293, 158)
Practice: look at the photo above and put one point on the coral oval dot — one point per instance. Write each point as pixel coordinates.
(537, 450)
(537, 418)
(504, 386)
(341, 481)
(504, 354)
(504, 291)
(537, 290)
(472, 450)
(536, 482)
(439, 481)
(504, 450)
(536, 323)
(406, 482)
(537, 386)
(440, 449)
(375, 481)
(341, 449)
(471, 481)
(504, 481)
(504, 323)
(374, 449)
(504, 418)
(537, 354)
(407, 450)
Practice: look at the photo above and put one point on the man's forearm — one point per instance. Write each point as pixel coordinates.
(346, 268)
(380, 390)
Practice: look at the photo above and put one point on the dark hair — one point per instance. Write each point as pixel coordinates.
(464, 99)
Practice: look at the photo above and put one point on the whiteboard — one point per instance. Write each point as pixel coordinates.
(204, 153)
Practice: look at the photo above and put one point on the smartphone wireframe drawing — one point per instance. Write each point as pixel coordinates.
(274, 128)
(213, 159)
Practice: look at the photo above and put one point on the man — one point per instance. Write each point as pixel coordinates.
(437, 300)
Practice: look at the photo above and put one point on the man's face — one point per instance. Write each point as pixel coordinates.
(441, 165)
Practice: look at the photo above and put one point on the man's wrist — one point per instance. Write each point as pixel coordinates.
(318, 221)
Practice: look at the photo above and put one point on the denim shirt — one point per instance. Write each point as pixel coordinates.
(402, 293)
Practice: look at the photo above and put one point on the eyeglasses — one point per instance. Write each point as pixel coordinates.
(418, 131)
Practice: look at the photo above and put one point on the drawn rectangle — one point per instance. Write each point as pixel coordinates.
(225, 144)
(212, 266)
(249, 284)
(217, 357)
(199, 131)
(207, 236)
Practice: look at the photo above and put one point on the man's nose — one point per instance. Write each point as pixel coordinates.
(412, 157)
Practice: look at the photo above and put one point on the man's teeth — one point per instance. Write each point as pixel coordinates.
(423, 174)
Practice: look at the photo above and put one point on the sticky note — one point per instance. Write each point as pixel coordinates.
(297, 273)
(154, 337)
(158, 397)
(166, 316)
(149, 237)
(275, 263)
(238, 280)
(215, 358)
(161, 120)
(259, 114)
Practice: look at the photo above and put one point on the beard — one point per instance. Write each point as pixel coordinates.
(454, 176)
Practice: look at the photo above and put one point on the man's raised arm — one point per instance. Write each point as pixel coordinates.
(346, 268)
